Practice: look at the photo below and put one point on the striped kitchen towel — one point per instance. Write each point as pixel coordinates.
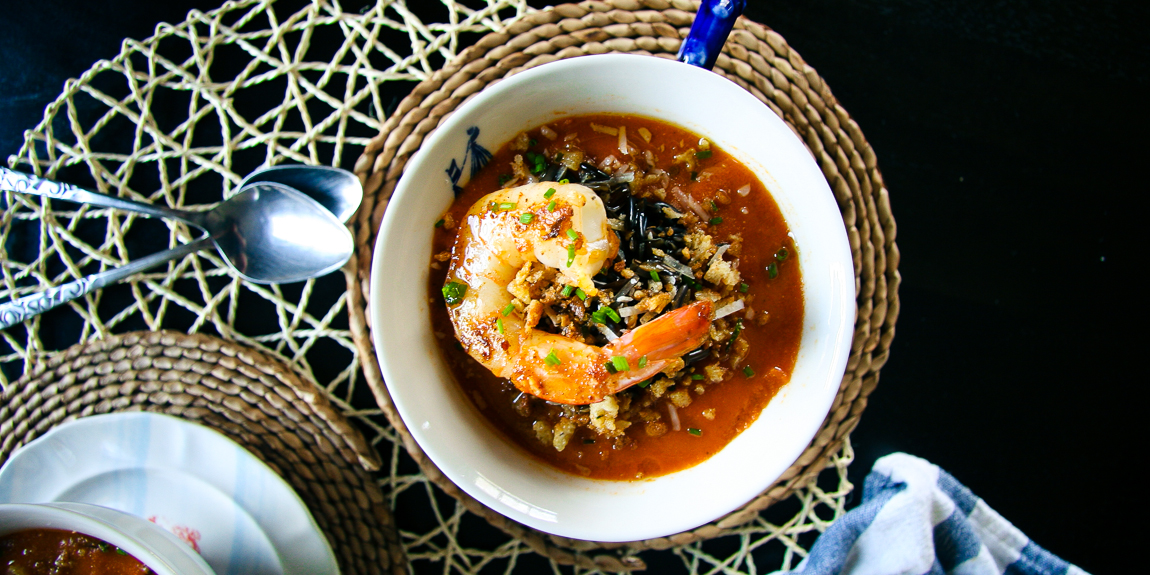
(916, 519)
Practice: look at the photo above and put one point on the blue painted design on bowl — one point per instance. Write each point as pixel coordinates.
(474, 154)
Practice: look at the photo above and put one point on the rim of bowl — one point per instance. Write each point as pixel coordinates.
(475, 467)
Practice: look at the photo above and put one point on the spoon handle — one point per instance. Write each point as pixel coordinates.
(14, 312)
(28, 184)
(712, 25)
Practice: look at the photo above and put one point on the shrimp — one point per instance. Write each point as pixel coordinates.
(562, 226)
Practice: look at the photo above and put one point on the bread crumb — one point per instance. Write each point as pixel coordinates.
(715, 373)
(655, 428)
(680, 397)
(562, 434)
(542, 432)
(721, 273)
(603, 416)
(659, 387)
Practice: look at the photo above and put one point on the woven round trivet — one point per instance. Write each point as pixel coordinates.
(756, 58)
(254, 400)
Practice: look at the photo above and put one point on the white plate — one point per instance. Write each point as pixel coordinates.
(191, 480)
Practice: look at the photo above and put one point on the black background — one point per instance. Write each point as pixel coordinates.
(1011, 136)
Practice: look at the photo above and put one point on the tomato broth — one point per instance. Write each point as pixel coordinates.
(737, 210)
(64, 553)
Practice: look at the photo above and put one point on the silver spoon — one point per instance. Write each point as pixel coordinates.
(267, 233)
(336, 189)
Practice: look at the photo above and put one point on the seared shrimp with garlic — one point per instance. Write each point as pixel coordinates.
(564, 227)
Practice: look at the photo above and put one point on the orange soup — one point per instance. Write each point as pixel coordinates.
(692, 224)
(64, 553)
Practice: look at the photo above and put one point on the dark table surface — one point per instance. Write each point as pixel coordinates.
(1011, 136)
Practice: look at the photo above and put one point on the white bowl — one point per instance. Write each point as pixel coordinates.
(453, 433)
(163, 552)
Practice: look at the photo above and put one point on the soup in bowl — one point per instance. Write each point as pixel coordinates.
(598, 347)
(79, 536)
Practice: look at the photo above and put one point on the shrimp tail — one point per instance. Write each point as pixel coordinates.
(580, 375)
(667, 337)
(661, 342)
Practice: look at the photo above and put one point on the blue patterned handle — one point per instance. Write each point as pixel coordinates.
(712, 25)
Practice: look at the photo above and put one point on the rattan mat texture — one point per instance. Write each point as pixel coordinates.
(254, 400)
(756, 58)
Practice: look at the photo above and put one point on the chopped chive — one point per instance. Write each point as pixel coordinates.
(551, 206)
(572, 234)
(504, 206)
(526, 217)
(453, 292)
(579, 293)
(567, 291)
(747, 371)
(646, 383)
(695, 432)
(564, 181)
(499, 324)
(654, 276)
(439, 224)
(611, 313)
(735, 335)
(773, 270)
(550, 192)
(714, 207)
(642, 362)
(744, 287)
(552, 359)
(610, 367)
(782, 254)
(532, 142)
(537, 162)
(571, 255)
(510, 308)
(504, 178)
(703, 154)
(716, 221)
(696, 376)
(620, 363)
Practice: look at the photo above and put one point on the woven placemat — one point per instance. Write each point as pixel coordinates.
(756, 58)
(256, 401)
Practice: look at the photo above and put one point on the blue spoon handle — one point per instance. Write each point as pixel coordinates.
(709, 32)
